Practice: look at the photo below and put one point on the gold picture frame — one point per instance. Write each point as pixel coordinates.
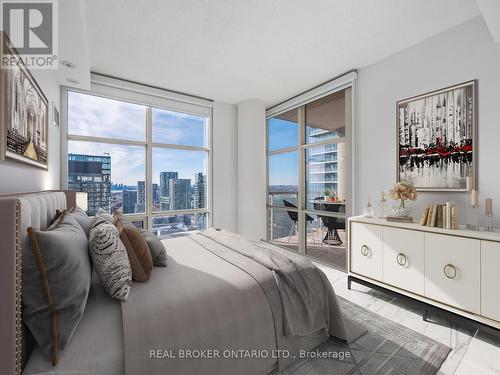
(24, 112)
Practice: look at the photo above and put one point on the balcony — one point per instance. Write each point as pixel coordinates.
(315, 247)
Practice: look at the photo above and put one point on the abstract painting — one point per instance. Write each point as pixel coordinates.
(24, 118)
(436, 135)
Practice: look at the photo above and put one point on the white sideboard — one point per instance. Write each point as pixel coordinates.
(455, 270)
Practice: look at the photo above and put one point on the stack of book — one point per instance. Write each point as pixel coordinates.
(441, 216)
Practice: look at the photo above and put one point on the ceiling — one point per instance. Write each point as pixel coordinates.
(231, 50)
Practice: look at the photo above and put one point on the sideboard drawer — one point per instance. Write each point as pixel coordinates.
(403, 259)
(366, 250)
(452, 270)
(490, 279)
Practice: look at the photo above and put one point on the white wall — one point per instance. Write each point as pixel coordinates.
(225, 174)
(252, 169)
(19, 177)
(460, 54)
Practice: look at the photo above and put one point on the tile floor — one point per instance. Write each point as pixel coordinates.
(475, 347)
(316, 248)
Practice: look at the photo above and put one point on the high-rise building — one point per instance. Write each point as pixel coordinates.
(199, 190)
(165, 177)
(326, 167)
(180, 194)
(141, 197)
(91, 174)
(129, 201)
(156, 194)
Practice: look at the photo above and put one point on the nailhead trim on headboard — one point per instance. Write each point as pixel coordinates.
(18, 291)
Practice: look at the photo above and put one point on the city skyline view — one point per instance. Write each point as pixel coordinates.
(92, 174)
(104, 162)
(90, 115)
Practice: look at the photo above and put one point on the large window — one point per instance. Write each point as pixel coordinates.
(148, 159)
(308, 176)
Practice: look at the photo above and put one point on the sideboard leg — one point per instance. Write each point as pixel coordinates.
(349, 282)
(424, 317)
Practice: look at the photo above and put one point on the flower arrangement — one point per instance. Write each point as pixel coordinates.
(330, 195)
(403, 191)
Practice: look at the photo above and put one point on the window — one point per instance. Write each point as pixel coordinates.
(283, 130)
(145, 156)
(308, 175)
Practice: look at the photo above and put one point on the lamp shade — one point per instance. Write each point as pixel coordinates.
(81, 200)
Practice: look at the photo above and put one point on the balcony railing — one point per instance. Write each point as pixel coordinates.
(276, 197)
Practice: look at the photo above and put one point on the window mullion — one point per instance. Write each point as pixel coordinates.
(301, 182)
(149, 168)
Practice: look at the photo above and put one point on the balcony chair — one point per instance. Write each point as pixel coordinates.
(331, 223)
(294, 216)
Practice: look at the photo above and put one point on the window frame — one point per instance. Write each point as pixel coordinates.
(150, 97)
(347, 81)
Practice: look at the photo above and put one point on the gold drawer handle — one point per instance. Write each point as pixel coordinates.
(450, 267)
(401, 259)
(364, 250)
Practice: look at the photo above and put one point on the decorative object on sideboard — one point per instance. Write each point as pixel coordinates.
(368, 211)
(474, 214)
(382, 206)
(24, 113)
(468, 197)
(436, 135)
(401, 192)
(442, 215)
(488, 209)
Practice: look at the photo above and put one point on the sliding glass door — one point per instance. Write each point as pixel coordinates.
(308, 157)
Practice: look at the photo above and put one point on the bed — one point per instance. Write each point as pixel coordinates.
(224, 304)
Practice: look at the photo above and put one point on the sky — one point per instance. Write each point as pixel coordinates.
(282, 134)
(283, 168)
(101, 117)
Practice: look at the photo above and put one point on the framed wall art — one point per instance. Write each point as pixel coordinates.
(25, 111)
(436, 138)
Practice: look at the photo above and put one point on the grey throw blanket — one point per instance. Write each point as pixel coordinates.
(307, 296)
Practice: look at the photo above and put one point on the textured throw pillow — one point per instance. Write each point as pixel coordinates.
(137, 250)
(110, 260)
(101, 217)
(156, 248)
(56, 284)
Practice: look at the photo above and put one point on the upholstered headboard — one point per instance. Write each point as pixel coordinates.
(17, 213)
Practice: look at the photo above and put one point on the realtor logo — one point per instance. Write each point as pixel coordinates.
(31, 27)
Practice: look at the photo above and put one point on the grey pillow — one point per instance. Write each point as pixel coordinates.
(82, 218)
(110, 260)
(156, 248)
(56, 282)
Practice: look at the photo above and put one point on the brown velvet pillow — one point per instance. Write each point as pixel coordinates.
(137, 250)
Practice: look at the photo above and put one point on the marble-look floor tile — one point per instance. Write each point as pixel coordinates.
(439, 326)
(474, 349)
(333, 274)
(361, 295)
(482, 356)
